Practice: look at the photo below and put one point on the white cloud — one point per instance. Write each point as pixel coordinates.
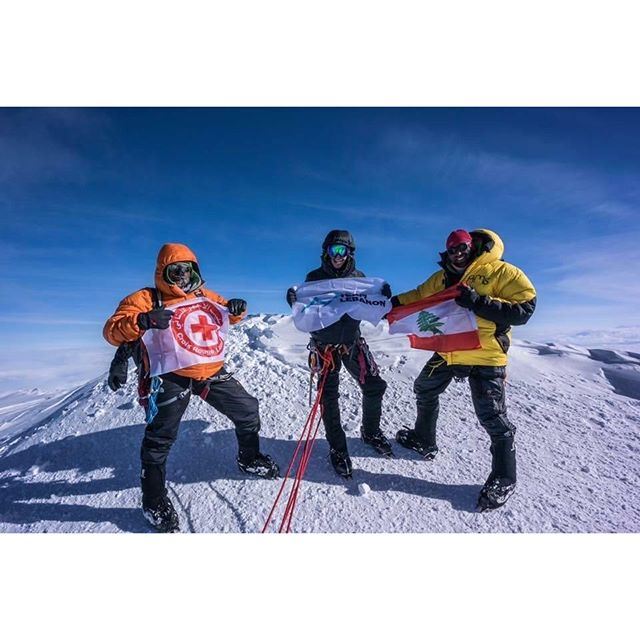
(35, 145)
(46, 320)
(52, 368)
(606, 268)
(548, 183)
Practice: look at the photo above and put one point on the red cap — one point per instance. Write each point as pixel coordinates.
(458, 237)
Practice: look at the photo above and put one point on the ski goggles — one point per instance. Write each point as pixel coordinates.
(338, 251)
(179, 271)
(463, 247)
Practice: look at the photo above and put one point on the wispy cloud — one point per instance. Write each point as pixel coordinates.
(44, 145)
(446, 159)
(256, 291)
(22, 320)
(564, 317)
(395, 215)
(598, 286)
(102, 224)
(587, 284)
(553, 184)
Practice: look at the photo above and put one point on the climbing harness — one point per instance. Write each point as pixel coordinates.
(321, 357)
(360, 349)
(365, 360)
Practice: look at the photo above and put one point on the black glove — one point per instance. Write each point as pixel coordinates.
(468, 297)
(291, 296)
(116, 379)
(156, 319)
(117, 374)
(386, 290)
(237, 306)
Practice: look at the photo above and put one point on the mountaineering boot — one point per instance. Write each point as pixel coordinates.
(379, 442)
(341, 463)
(162, 515)
(258, 464)
(408, 439)
(495, 493)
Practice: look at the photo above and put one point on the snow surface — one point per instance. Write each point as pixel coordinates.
(69, 461)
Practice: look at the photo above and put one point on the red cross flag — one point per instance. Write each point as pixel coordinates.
(436, 323)
(197, 334)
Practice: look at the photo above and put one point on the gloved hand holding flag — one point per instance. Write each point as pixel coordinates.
(436, 323)
(321, 303)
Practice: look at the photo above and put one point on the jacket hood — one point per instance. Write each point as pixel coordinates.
(168, 254)
(487, 245)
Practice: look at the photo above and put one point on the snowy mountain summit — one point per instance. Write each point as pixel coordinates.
(69, 462)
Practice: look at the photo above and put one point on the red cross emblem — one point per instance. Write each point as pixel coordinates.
(200, 321)
(204, 327)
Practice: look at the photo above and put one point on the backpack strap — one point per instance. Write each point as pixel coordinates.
(156, 297)
(141, 357)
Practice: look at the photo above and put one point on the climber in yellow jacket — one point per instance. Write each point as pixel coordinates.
(500, 295)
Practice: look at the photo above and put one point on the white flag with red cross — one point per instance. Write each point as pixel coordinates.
(437, 323)
(197, 334)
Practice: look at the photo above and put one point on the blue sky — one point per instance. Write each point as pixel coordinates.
(87, 196)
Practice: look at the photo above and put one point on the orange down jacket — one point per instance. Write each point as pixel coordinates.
(122, 326)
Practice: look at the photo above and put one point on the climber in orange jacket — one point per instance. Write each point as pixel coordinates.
(177, 279)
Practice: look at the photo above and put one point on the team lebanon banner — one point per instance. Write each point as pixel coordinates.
(319, 304)
(197, 334)
(437, 323)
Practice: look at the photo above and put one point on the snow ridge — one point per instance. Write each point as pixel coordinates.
(69, 461)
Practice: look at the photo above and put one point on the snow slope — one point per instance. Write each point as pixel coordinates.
(69, 462)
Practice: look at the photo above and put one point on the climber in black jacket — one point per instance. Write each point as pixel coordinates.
(342, 340)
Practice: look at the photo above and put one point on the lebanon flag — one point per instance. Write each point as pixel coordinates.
(437, 323)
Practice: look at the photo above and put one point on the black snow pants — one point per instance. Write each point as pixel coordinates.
(488, 393)
(373, 388)
(225, 394)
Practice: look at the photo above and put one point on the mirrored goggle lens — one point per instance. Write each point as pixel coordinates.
(178, 270)
(463, 247)
(338, 250)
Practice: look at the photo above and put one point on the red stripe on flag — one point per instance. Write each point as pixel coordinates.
(445, 344)
(405, 310)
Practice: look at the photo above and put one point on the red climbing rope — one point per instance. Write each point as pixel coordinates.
(304, 447)
(314, 423)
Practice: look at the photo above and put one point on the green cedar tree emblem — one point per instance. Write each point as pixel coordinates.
(429, 322)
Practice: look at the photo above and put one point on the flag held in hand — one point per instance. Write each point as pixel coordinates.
(436, 323)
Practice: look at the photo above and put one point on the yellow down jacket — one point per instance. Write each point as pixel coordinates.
(507, 298)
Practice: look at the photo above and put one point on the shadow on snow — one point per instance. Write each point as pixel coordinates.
(197, 456)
